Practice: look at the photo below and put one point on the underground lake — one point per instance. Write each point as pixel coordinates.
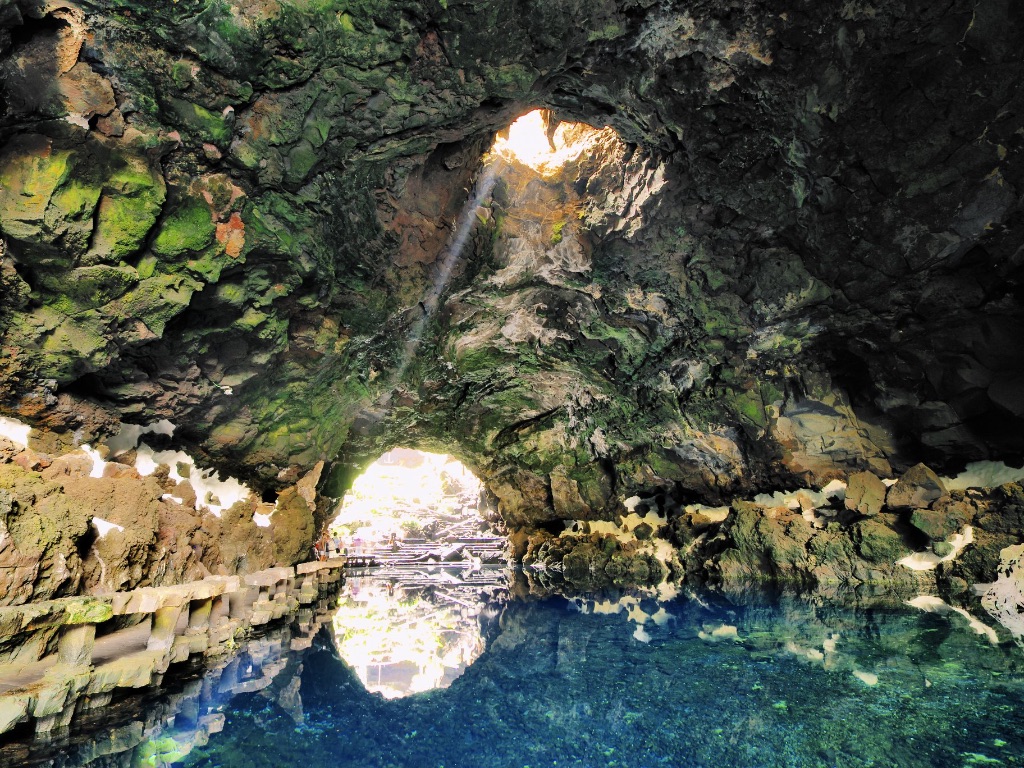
(530, 677)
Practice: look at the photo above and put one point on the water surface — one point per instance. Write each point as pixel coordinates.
(623, 680)
(691, 682)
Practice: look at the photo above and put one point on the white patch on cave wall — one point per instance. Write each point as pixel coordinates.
(211, 492)
(103, 527)
(15, 431)
(631, 503)
(984, 474)
(98, 464)
(128, 437)
(804, 498)
(623, 531)
(926, 561)
(714, 514)
(1003, 597)
(214, 494)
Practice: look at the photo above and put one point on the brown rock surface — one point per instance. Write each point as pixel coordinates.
(916, 489)
(946, 517)
(865, 494)
(47, 520)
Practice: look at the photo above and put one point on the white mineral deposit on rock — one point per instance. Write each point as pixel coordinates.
(15, 431)
(984, 474)
(927, 561)
(103, 527)
(211, 492)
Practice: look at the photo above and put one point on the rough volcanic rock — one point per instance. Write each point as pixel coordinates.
(916, 489)
(865, 493)
(64, 532)
(800, 259)
(294, 518)
(595, 561)
(768, 544)
(780, 545)
(945, 517)
(41, 528)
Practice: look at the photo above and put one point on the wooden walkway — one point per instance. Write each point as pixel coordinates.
(416, 553)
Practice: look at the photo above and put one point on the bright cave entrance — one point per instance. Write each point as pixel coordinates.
(416, 618)
(539, 141)
(407, 498)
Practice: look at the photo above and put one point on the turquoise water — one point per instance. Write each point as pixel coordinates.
(710, 682)
(703, 679)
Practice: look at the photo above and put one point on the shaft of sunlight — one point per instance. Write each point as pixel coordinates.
(463, 230)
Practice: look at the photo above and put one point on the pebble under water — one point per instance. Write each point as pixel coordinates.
(629, 680)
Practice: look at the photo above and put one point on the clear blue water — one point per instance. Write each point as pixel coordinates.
(700, 680)
(714, 682)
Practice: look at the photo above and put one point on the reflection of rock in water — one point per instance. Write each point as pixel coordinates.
(632, 671)
(417, 628)
(740, 680)
(64, 656)
(163, 724)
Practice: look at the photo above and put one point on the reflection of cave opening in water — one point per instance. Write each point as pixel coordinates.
(415, 622)
(402, 638)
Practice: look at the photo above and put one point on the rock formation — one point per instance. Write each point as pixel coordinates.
(66, 531)
(796, 257)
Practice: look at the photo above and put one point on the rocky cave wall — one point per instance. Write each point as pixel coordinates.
(803, 260)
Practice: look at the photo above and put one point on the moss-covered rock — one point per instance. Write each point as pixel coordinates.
(133, 195)
(88, 287)
(189, 228)
(768, 544)
(207, 125)
(878, 541)
(47, 199)
(946, 517)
